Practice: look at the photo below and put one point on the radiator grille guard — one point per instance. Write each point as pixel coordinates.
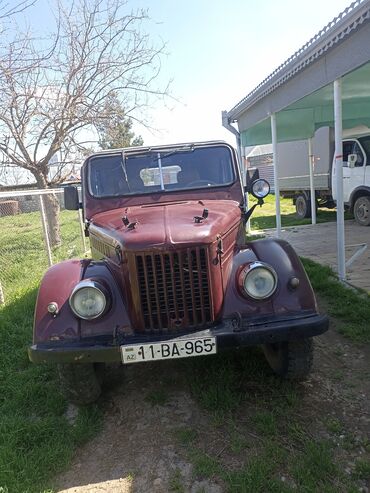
(174, 289)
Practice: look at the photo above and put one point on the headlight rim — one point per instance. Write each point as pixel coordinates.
(90, 283)
(247, 269)
(260, 196)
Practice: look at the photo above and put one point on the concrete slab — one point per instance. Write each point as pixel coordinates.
(319, 243)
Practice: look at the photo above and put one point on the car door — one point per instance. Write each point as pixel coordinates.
(352, 177)
(365, 144)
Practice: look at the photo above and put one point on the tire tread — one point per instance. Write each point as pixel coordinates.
(300, 359)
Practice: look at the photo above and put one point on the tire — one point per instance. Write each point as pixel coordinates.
(302, 207)
(290, 359)
(81, 384)
(361, 211)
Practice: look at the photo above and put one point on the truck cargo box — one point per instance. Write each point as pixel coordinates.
(293, 162)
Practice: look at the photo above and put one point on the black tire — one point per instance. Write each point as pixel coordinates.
(81, 383)
(361, 211)
(302, 207)
(290, 359)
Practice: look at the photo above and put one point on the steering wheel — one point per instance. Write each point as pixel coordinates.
(201, 182)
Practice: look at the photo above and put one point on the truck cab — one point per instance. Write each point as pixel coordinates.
(171, 273)
(356, 177)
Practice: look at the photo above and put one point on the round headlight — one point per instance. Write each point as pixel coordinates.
(259, 281)
(88, 300)
(260, 188)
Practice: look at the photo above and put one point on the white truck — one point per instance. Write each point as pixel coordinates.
(294, 176)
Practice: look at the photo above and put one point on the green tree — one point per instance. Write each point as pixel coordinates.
(115, 130)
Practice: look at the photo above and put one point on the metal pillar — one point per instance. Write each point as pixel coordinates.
(45, 230)
(244, 178)
(276, 174)
(82, 230)
(339, 178)
(2, 297)
(311, 163)
(240, 152)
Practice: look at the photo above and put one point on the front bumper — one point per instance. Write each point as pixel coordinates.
(231, 332)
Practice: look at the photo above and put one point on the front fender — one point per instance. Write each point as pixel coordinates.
(57, 286)
(285, 301)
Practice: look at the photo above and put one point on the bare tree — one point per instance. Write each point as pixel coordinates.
(52, 94)
(9, 8)
(12, 175)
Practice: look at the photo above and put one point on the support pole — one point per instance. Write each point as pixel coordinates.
(244, 178)
(2, 297)
(45, 230)
(241, 152)
(243, 173)
(276, 174)
(311, 164)
(339, 178)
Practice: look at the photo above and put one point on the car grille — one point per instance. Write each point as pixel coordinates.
(174, 289)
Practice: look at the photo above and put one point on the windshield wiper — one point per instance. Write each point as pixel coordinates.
(159, 157)
(123, 164)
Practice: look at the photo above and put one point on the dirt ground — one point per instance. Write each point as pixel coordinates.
(137, 449)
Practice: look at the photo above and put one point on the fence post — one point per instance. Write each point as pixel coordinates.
(45, 230)
(82, 229)
(2, 299)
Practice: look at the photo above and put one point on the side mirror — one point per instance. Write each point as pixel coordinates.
(71, 200)
(352, 159)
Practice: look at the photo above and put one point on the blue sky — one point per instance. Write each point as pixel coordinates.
(219, 50)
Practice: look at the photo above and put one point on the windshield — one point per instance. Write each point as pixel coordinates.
(165, 171)
(365, 141)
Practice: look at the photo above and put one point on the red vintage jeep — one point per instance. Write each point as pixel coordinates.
(171, 273)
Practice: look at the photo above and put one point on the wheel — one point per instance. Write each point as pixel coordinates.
(361, 211)
(81, 383)
(290, 359)
(302, 207)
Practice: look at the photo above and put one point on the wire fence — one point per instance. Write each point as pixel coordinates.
(36, 231)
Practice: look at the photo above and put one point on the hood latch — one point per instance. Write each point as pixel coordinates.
(129, 225)
(199, 219)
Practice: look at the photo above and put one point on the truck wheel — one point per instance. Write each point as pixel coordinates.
(361, 211)
(302, 207)
(81, 383)
(290, 359)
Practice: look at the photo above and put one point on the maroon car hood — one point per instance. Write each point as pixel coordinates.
(167, 224)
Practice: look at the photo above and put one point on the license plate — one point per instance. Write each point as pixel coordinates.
(179, 348)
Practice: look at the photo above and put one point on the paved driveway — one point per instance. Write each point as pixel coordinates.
(319, 243)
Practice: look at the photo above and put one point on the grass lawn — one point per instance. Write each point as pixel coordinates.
(36, 440)
(22, 255)
(351, 308)
(264, 217)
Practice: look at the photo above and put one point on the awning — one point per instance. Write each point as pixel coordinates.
(300, 120)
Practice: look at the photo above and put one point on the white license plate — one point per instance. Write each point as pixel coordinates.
(179, 348)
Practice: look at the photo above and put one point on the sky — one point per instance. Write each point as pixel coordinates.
(218, 51)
